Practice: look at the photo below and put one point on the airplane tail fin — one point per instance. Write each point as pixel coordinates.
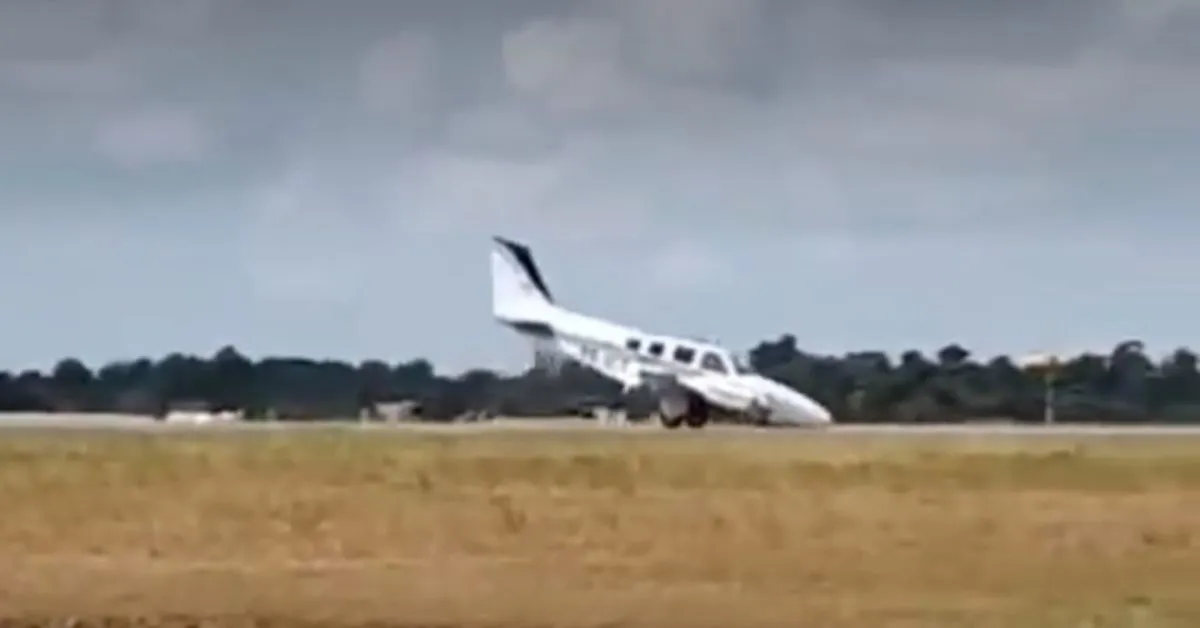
(519, 292)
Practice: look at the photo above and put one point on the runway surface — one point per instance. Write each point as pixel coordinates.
(111, 422)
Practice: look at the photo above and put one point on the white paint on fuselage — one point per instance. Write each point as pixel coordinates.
(602, 346)
(634, 357)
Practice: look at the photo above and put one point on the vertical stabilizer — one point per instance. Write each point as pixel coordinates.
(519, 292)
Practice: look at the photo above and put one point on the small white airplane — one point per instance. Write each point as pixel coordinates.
(692, 381)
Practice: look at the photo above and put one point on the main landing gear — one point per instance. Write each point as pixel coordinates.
(678, 410)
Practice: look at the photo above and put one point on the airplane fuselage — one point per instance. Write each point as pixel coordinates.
(675, 366)
(689, 377)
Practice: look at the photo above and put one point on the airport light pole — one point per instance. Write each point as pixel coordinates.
(1047, 366)
(1048, 381)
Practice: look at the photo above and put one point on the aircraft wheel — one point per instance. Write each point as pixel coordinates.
(673, 411)
(697, 414)
(670, 422)
(759, 417)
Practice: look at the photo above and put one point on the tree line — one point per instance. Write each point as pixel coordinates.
(1122, 385)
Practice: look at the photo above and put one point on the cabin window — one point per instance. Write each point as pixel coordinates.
(633, 344)
(713, 362)
(655, 349)
(684, 355)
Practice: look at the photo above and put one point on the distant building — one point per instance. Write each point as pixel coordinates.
(197, 413)
(394, 411)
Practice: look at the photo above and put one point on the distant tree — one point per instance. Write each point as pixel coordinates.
(1125, 384)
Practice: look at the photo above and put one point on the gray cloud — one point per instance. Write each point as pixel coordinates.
(861, 86)
(330, 132)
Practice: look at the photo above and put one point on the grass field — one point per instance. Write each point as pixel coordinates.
(528, 529)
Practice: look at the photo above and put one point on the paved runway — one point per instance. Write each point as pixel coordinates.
(29, 421)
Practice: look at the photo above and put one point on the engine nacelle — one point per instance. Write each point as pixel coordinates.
(678, 406)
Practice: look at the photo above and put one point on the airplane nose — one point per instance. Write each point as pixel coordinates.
(822, 414)
(788, 405)
(814, 412)
(804, 410)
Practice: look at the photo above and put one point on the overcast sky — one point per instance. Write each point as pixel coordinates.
(321, 178)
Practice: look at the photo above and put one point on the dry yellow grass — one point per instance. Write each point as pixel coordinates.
(530, 529)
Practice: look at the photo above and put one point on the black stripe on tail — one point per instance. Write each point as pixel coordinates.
(524, 257)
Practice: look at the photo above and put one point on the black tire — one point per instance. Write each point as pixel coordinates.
(673, 410)
(697, 414)
(670, 422)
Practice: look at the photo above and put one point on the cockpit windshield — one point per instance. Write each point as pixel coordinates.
(741, 367)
